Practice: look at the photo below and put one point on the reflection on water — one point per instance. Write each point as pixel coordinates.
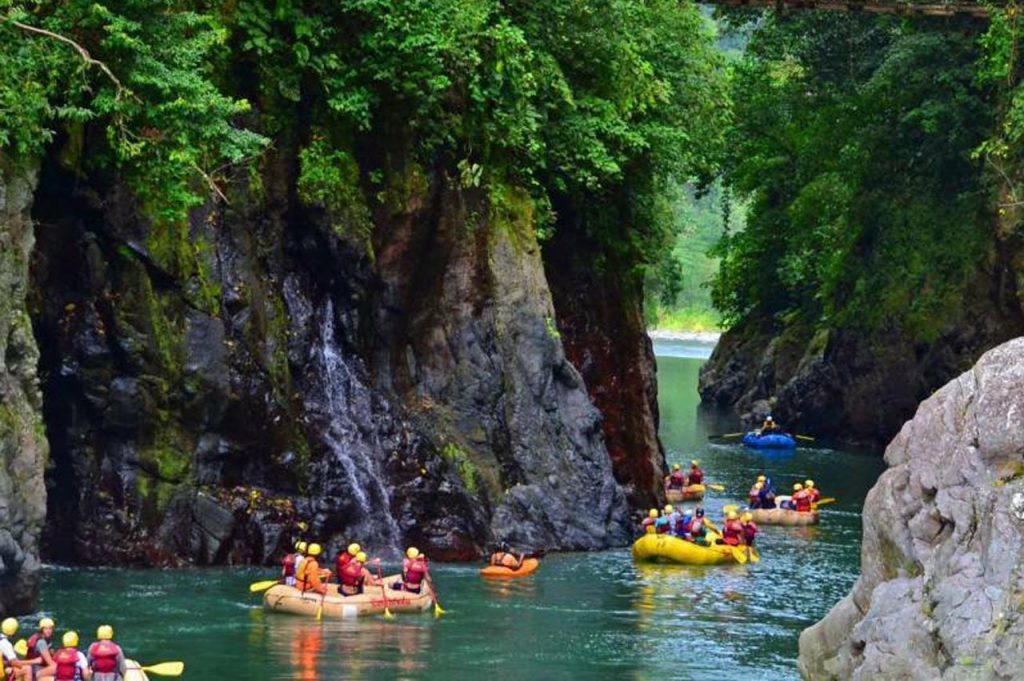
(595, 615)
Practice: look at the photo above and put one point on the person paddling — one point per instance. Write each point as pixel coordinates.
(767, 495)
(677, 480)
(647, 525)
(345, 557)
(106, 659)
(70, 662)
(749, 529)
(732, 531)
(414, 571)
(812, 491)
(11, 666)
(754, 495)
(699, 528)
(769, 426)
(308, 577)
(695, 475)
(505, 556)
(39, 658)
(290, 564)
(355, 577)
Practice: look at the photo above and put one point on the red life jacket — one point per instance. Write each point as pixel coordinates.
(732, 531)
(67, 664)
(288, 565)
(352, 574)
(749, 532)
(803, 501)
(415, 571)
(103, 657)
(677, 480)
(815, 494)
(33, 641)
(696, 476)
(341, 561)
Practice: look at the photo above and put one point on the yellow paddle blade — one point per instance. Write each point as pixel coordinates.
(262, 586)
(739, 555)
(21, 648)
(826, 500)
(753, 555)
(438, 610)
(166, 669)
(388, 615)
(805, 437)
(717, 488)
(320, 612)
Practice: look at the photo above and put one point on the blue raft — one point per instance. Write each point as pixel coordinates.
(770, 441)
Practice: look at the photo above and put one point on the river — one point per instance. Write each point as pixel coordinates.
(580, 616)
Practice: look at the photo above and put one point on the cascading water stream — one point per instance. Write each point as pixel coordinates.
(347, 404)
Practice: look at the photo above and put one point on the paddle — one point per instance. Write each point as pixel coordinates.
(320, 608)
(826, 500)
(739, 555)
(753, 555)
(804, 437)
(384, 592)
(438, 610)
(725, 435)
(166, 669)
(715, 486)
(256, 587)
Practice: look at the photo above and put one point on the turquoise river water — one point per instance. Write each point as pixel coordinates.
(580, 616)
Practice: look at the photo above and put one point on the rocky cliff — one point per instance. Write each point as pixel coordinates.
(211, 391)
(22, 443)
(941, 579)
(858, 385)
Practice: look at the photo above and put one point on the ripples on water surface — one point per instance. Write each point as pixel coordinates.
(581, 616)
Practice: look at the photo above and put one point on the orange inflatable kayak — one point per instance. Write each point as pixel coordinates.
(528, 567)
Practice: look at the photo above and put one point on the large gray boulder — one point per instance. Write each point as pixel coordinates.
(23, 447)
(941, 591)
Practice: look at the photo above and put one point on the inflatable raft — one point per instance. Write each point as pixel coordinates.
(528, 567)
(664, 548)
(783, 516)
(690, 493)
(134, 671)
(770, 441)
(290, 600)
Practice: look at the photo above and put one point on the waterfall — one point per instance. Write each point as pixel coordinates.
(355, 465)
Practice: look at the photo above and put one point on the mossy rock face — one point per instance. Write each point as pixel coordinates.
(23, 446)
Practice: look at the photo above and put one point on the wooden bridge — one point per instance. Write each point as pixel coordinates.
(953, 8)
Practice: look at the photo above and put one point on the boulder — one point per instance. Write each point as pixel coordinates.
(942, 576)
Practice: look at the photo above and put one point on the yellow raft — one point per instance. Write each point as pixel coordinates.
(134, 671)
(784, 516)
(372, 601)
(690, 493)
(664, 548)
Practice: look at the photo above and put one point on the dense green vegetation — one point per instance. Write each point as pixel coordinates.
(860, 142)
(594, 106)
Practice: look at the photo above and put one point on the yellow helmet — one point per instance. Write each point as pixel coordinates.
(301, 547)
(731, 515)
(354, 549)
(361, 557)
(653, 513)
(70, 640)
(105, 633)
(747, 517)
(668, 509)
(761, 478)
(46, 623)
(808, 483)
(695, 462)
(9, 627)
(413, 552)
(797, 487)
(315, 550)
(676, 467)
